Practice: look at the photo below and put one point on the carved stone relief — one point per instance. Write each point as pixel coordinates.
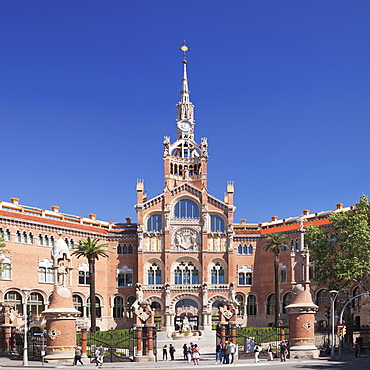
(186, 239)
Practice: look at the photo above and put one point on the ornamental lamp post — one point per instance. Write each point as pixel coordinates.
(333, 296)
(25, 341)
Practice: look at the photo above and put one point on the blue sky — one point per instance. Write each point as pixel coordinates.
(281, 90)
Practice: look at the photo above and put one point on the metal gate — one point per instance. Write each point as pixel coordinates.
(247, 337)
(119, 345)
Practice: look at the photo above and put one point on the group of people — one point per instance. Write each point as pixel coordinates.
(191, 353)
(168, 351)
(225, 353)
(283, 349)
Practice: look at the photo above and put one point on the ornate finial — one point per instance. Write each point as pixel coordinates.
(184, 48)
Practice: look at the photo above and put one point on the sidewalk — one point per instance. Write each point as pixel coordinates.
(206, 361)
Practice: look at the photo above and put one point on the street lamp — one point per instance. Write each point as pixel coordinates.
(333, 295)
(25, 342)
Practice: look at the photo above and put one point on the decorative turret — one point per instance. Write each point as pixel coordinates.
(185, 160)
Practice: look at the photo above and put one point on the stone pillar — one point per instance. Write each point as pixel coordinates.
(61, 315)
(301, 323)
(60, 327)
(145, 327)
(227, 324)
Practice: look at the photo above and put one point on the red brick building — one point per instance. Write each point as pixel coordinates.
(184, 254)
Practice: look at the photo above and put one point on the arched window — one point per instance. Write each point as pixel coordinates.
(78, 303)
(118, 307)
(217, 274)
(270, 304)
(186, 273)
(154, 223)
(251, 305)
(125, 249)
(18, 236)
(97, 307)
(35, 304)
(24, 238)
(15, 299)
(40, 240)
(240, 299)
(154, 275)
(287, 299)
(7, 235)
(6, 273)
(30, 238)
(46, 240)
(245, 249)
(217, 224)
(186, 208)
(129, 310)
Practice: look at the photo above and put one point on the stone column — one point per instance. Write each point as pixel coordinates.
(227, 324)
(301, 323)
(145, 327)
(61, 315)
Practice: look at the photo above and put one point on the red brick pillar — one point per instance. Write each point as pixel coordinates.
(302, 323)
(84, 343)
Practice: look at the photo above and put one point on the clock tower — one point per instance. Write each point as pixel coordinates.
(185, 161)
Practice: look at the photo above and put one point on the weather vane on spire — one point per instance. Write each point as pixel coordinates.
(184, 49)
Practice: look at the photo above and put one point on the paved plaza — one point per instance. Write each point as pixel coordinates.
(208, 362)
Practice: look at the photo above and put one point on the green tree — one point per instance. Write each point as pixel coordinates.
(342, 253)
(90, 249)
(274, 243)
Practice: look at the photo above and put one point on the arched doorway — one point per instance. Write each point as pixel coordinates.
(186, 308)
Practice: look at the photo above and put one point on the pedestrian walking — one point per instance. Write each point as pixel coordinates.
(356, 347)
(196, 354)
(270, 353)
(77, 357)
(99, 356)
(257, 350)
(165, 352)
(283, 351)
(185, 351)
(232, 352)
(172, 351)
(219, 354)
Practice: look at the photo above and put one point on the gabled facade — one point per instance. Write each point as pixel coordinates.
(185, 254)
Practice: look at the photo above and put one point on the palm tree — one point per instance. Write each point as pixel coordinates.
(90, 249)
(274, 243)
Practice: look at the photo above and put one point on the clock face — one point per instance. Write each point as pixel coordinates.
(184, 126)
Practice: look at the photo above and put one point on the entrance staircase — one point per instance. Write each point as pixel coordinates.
(206, 342)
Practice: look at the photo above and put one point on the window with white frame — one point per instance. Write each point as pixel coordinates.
(154, 275)
(6, 273)
(217, 274)
(245, 249)
(245, 275)
(283, 276)
(186, 273)
(125, 277)
(154, 223)
(217, 224)
(5, 234)
(83, 274)
(46, 271)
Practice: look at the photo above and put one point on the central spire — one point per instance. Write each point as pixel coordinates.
(185, 109)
